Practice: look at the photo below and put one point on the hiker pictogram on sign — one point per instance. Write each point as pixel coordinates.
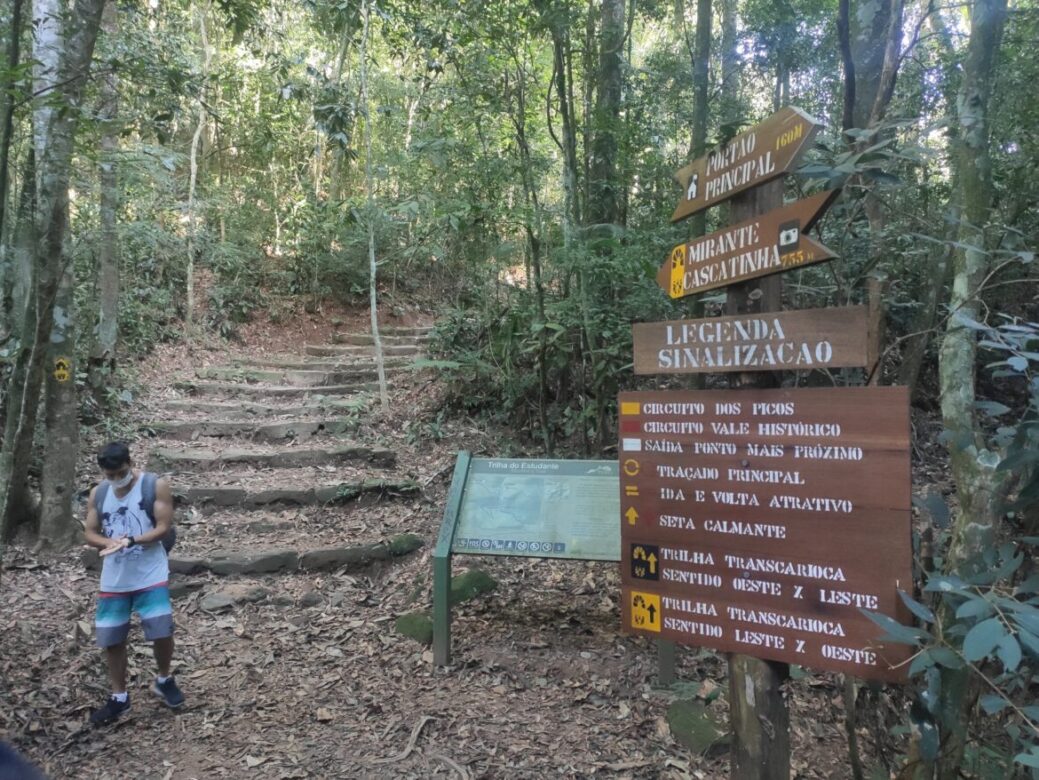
(645, 611)
(645, 561)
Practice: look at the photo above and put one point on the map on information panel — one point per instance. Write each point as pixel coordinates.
(540, 508)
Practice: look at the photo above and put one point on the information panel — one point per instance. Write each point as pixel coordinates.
(540, 508)
(762, 522)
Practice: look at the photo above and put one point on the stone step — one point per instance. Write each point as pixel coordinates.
(278, 560)
(367, 340)
(406, 330)
(175, 459)
(245, 409)
(290, 429)
(272, 391)
(392, 364)
(333, 350)
(321, 526)
(293, 378)
(338, 493)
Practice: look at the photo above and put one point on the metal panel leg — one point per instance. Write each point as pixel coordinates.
(442, 610)
(665, 662)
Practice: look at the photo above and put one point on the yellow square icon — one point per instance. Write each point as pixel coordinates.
(631, 407)
(645, 611)
(677, 271)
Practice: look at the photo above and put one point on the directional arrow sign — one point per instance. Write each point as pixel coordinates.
(773, 242)
(753, 157)
(632, 515)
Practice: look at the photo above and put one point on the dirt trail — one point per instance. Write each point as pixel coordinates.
(288, 655)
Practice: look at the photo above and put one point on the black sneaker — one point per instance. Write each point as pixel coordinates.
(110, 712)
(168, 692)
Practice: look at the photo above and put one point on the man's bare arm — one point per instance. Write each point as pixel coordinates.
(92, 527)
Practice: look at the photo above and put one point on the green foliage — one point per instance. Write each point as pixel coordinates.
(236, 290)
(471, 584)
(496, 341)
(415, 625)
(417, 431)
(150, 301)
(983, 619)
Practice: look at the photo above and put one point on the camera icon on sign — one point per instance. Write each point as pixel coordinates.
(789, 236)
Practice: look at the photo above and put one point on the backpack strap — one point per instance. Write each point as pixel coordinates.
(99, 497)
(148, 481)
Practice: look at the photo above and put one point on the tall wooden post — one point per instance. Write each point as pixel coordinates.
(757, 711)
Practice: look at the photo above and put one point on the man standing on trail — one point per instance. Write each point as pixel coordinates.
(128, 517)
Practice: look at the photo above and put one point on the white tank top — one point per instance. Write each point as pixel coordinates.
(137, 567)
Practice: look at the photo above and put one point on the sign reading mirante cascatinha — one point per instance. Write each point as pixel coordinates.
(773, 242)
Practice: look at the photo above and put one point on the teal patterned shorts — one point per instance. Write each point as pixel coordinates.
(114, 611)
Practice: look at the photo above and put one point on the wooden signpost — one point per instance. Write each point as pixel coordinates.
(766, 244)
(765, 520)
(778, 341)
(761, 521)
(762, 153)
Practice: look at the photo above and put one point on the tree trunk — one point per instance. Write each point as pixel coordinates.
(604, 205)
(867, 26)
(58, 526)
(373, 298)
(61, 419)
(54, 170)
(848, 61)
(533, 228)
(979, 488)
(971, 263)
(701, 54)
(731, 95)
(871, 41)
(568, 143)
(939, 260)
(587, 96)
(193, 163)
(103, 354)
(7, 103)
(16, 503)
(941, 256)
(757, 710)
(16, 259)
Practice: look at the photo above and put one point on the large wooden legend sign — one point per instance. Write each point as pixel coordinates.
(763, 522)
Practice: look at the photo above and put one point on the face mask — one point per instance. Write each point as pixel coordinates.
(119, 484)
